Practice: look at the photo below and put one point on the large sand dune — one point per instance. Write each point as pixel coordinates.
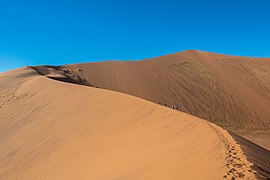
(233, 92)
(57, 130)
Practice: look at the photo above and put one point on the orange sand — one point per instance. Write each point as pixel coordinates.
(56, 130)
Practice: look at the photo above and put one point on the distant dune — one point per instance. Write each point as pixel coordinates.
(233, 92)
(57, 130)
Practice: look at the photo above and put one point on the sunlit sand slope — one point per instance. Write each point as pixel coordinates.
(57, 130)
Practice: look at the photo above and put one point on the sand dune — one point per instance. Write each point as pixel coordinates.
(233, 92)
(57, 130)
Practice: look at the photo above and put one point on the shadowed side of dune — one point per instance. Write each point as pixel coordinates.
(61, 74)
(257, 155)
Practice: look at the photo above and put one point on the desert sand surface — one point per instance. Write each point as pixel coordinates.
(57, 130)
(232, 92)
(259, 156)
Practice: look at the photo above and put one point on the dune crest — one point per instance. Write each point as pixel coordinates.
(56, 130)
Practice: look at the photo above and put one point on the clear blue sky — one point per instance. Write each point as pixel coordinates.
(61, 32)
